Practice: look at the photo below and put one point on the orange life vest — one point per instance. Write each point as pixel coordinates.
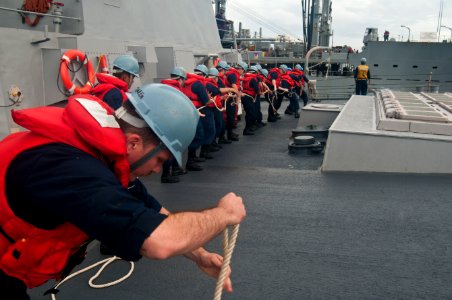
(278, 72)
(237, 75)
(217, 98)
(36, 255)
(286, 77)
(246, 84)
(300, 74)
(172, 82)
(191, 79)
(108, 82)
(262, 80)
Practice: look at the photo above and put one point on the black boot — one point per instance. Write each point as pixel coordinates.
(232, 136)
(223, 140)
(216, 145)
(296, 115)
(205, 152)
(248, 131)
(179, 171)
(192, 166)
(191, 162)
(169, 179)
(271, 119)
(167, 175)
(212, 148)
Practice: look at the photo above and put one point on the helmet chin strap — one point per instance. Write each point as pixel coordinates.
(148, 156)
(121, 113)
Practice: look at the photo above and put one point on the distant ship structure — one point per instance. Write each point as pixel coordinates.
(407, 64)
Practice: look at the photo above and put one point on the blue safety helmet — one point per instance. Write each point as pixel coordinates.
(224, 65)
(128, 64)
(253, 69)
(179, 72)
(170, 115)
(264, 72)
(283, 67)
(243, 65)
(299, 67)
(213, 72)
(202, 68)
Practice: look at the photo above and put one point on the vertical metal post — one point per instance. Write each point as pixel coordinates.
(234, 40)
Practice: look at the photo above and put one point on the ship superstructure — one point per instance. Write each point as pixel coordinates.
(159, 34)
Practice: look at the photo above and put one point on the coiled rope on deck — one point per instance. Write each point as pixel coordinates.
(228, 247)
(104, 264)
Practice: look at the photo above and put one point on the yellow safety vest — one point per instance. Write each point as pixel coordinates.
(363, 70)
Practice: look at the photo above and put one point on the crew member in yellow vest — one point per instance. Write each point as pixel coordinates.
(362, 78)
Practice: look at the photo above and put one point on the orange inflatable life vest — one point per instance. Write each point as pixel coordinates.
(172, 82)
(278, 79)
(288, 79)
(237, 75)
(217, 98)
(108, 82)
(191, 79)
(36, 255)
(246, 84)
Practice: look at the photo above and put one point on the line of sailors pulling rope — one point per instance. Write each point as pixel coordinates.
(219, 94)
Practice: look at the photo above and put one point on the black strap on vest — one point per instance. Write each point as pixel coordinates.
(10, 239)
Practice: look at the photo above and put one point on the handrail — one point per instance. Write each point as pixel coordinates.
(38, 14)
(306, 66)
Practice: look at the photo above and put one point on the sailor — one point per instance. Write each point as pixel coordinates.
(228, 93)
(217, 91)
(170, 168)
(274, 80)
(286, 87)
(112, 88)
(261, 88)
(195, 89)
(266, 89)
(300, 83)
(177, 78)
(91, 157)
(362, 78)
(386, 36)
(250, 89)
(208, 119)
(232, 81)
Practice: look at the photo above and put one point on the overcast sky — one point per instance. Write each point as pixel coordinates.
(350, 18)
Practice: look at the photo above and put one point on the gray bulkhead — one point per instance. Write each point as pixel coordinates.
(160, 34)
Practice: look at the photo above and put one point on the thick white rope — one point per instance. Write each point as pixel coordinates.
(228, 246)
(105, 263)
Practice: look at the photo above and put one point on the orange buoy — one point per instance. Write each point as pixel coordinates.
(66, 59)
(103, 64)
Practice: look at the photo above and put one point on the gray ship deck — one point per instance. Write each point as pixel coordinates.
(308, 235)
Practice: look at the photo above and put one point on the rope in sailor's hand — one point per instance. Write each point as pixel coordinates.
(228, 247)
